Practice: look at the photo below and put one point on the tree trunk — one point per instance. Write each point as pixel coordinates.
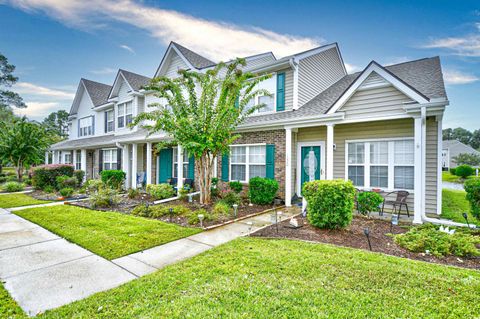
(204, 173)
(20, 173)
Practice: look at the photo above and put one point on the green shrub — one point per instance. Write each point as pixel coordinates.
(221, 209)
(262, 191)
(113, 178)
(193, 216)
(214, 187)
(49, 189)
(329, 203)
(428, 237)
(79, 175)
(133, 193)
(472, 187)
(231, 198)
(12, 178)
(66, 181)
(13, 187)
(27, 181)
(236, 186)
(161, 210)
(453, 171)
(142, 210)
(368, 202)
(3, 179)
(66, 192)
(46, 175)
(464, 171)
(104, 197)
(160, 191)
(183, 193)
(93, 185)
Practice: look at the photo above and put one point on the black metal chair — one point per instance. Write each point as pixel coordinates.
(400, 200)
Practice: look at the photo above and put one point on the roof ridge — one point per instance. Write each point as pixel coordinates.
(84, 79)
(123, 70)
(411, 61)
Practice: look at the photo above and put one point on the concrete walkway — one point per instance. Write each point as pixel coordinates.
(42, 271)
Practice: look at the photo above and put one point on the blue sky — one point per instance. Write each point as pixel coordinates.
(54, 43)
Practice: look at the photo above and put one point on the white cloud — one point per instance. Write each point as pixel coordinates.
(351, 68)
(38, 110)
(126, 47)
(453, 77)
(103, 71)
(468, 45)
(34, 89)
(216, 39)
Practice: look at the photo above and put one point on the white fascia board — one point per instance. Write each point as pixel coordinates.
(375, 67)
(103, 106)
(166, 57)
(85, 88)
(270, 67)
(75, 102)
(296, 123)
(114, 86)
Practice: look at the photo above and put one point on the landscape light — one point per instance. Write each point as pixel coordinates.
(170, 211)
(250, 226)
(465, 215)
(366, 231)
(394, 222)
(235, 207)
(200, 218)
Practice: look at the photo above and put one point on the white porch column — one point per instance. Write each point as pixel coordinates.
(54, 157)
(419, 183)
(179, 167)
(83, 162)
(46, 157)
(61, 159)
(134, 165)
(74, 159)
(149, 163)
(126, 164)
(329, 166)
(288, 167)
(439, 167)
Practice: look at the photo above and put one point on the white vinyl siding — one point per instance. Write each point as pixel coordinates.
(176, 63)
(318, 72)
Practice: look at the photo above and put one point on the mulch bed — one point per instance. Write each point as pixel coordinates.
(242, 211)
(353, 236)
(126, 205)
(41, 195)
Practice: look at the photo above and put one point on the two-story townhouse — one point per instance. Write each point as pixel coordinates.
(380, 128)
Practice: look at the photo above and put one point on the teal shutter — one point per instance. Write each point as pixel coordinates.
(165, 162)
(270, 161)
(225, 167)
(191, 167)
(280, 92)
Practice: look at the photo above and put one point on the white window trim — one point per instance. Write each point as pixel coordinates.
(113, 159)
(123, 105)
(299, 161)
(69, 155)
(112, 121)
(174, 161)
(92, 125)
(78, 160)
(247, 161)
(257, 98)
(391, 162)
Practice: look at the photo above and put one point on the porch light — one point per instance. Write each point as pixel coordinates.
(201, 217)
(190, 198)
(465, 215)
(235, 207)
(170, 213)
(394, 222)
(366, 231)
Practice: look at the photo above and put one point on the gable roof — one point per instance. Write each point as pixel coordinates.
(134, 81)
(424, 75)
(195, 59)
(97, 91)
(456, 147)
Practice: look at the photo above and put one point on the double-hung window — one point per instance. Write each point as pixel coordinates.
(175, 163)
(85, 126)
(109, 121)
(385, 164)
(247, 161)
(109, 159)
(125, 114)
(68, 158)
(268, 101)
(78, 160)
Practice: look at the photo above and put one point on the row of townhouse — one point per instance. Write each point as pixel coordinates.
(380, 128)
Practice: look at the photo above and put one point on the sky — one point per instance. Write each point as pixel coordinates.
(54, 43)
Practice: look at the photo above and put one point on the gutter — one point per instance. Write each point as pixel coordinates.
(293, 123)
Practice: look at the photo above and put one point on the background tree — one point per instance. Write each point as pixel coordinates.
(203, 121)
(475, 141)
(8, 98)
(447, 134)
(462, 135)
(57, 123)
(22, 143)
(467, 159)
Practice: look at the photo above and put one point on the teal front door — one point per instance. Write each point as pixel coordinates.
(310, 163)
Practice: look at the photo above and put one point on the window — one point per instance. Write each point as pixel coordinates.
(175, 163)
(78, 160)
(68, 158)
(271, 86)
(125, 114)
(109, 121)
(381, 164)
(85, 126)
(247, 162)
(109, 159)
(269, 103)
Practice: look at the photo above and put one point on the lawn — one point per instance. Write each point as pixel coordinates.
(261, 278)
(448, 177)
(454, 204)
(8, 306)
(17, 200)
(108, 234)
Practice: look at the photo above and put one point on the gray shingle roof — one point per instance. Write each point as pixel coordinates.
(195, 59)
(98, 91)
(96, 141)
(135, 80)
(424, 75)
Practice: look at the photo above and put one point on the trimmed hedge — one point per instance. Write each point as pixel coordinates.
(66, 182)
(46, 175)
(329, 203)
(160, 191)
(113, 178)
(236, 186)
(262, 191)
(368, 202)
(472, 187)
(464, 171)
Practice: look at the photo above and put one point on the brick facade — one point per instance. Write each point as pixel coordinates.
(276, 137)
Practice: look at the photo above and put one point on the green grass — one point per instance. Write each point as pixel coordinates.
(17, 200)
(454, 204)
(260, 278)
(448, 177)
(108, 234)
(8, 306)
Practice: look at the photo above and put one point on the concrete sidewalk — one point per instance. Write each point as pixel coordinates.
(43, 271)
